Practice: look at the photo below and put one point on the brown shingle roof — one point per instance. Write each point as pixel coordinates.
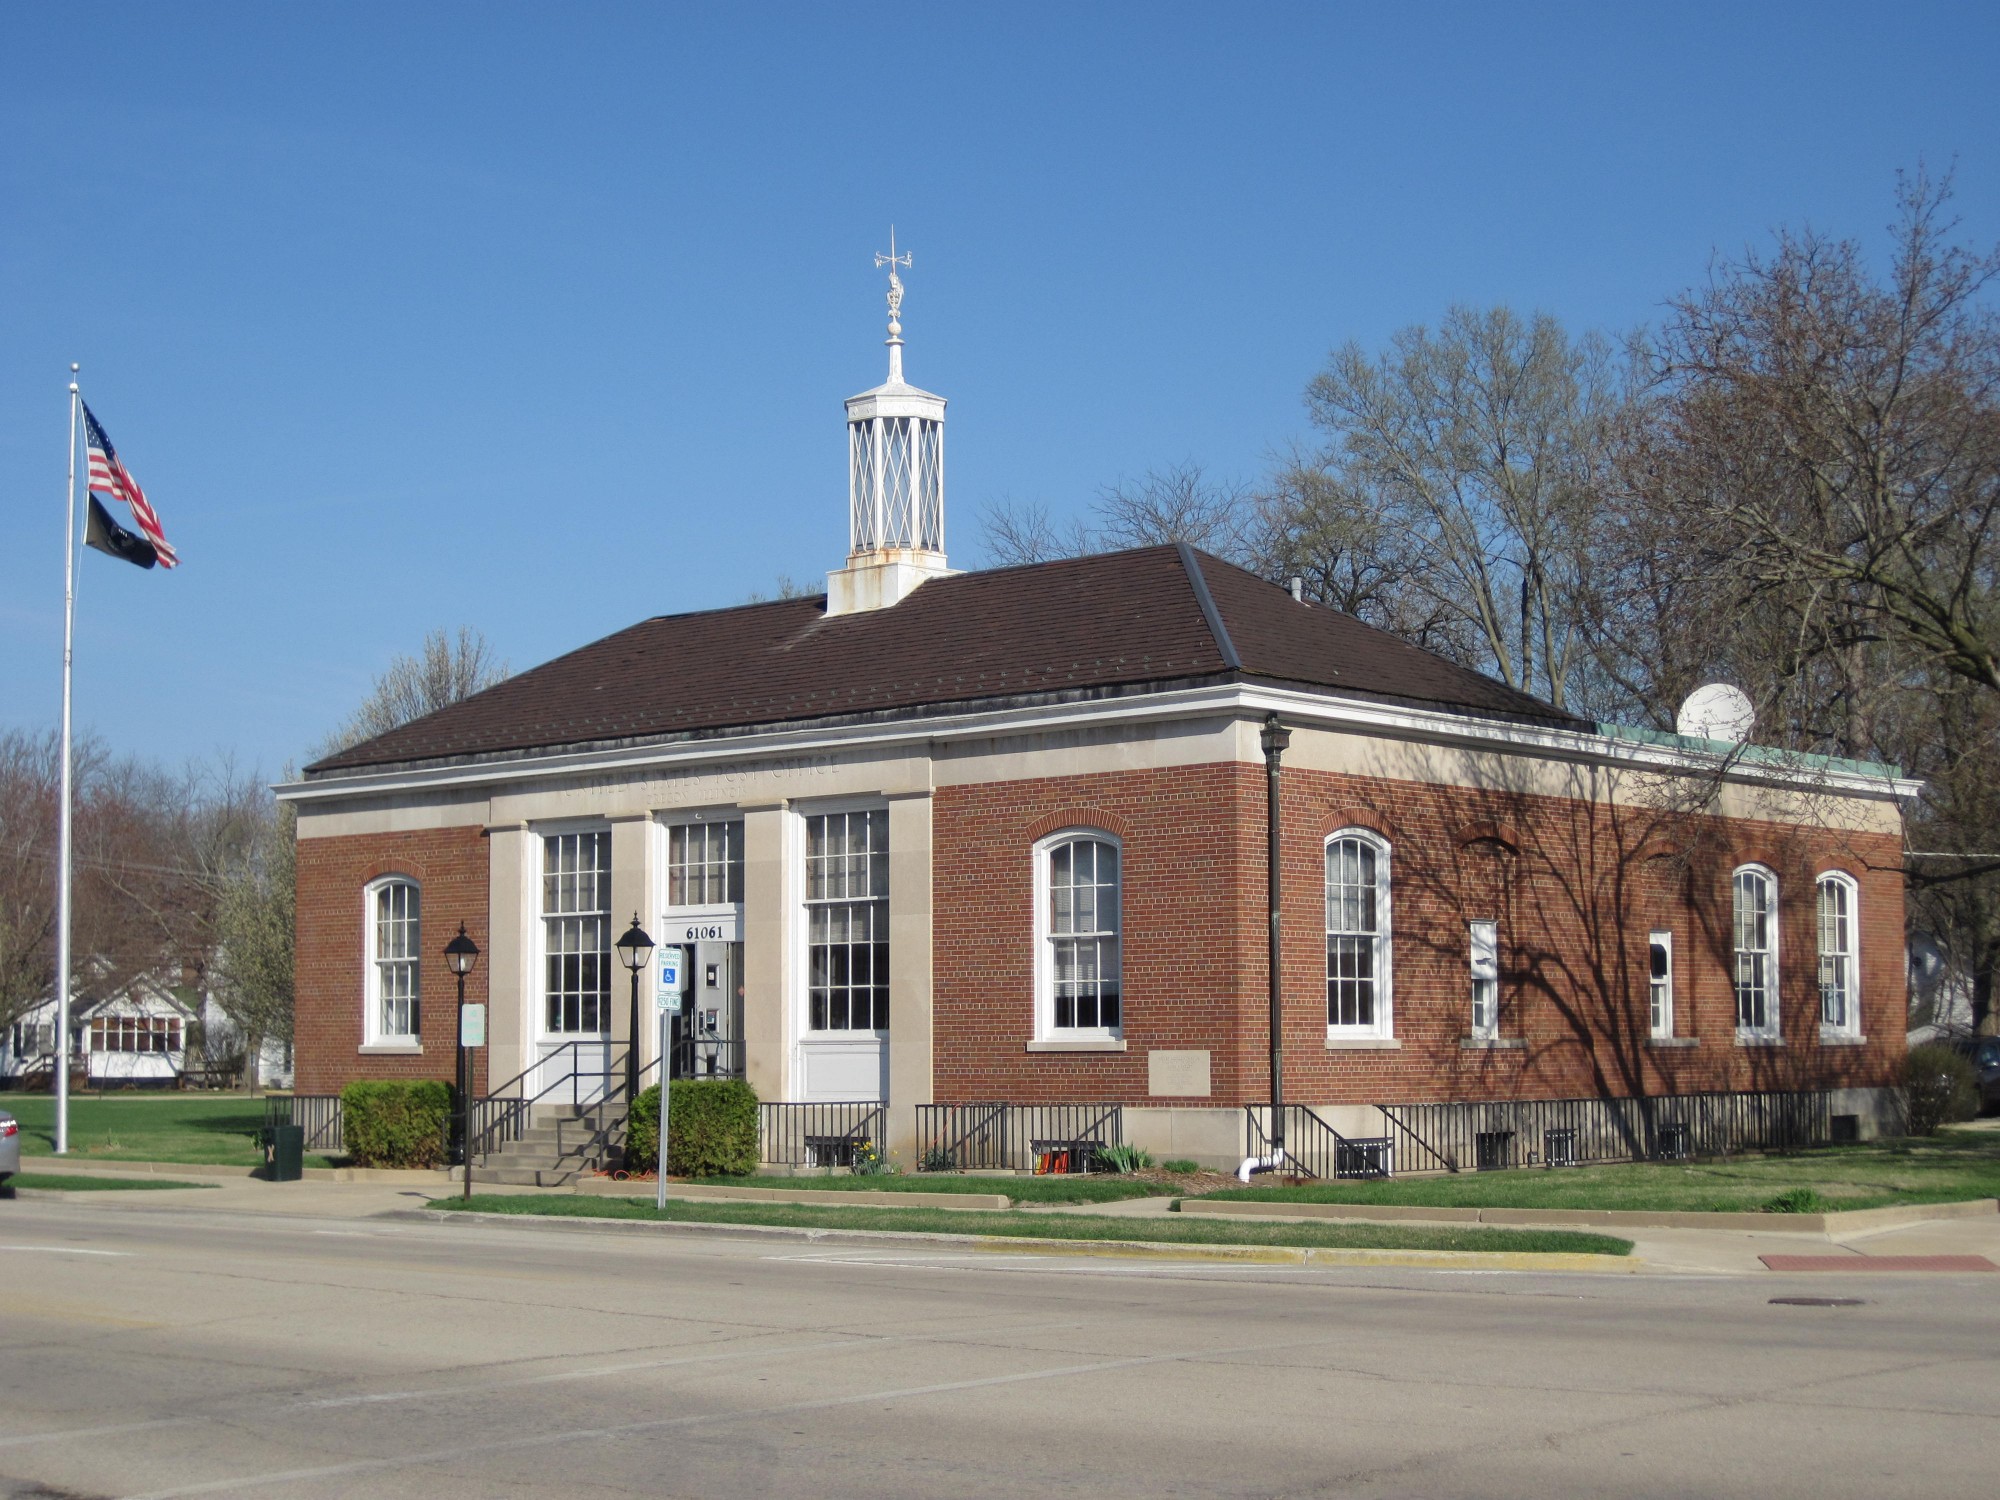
(1114, 621)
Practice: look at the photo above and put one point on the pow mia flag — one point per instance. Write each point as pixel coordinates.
(113, 540)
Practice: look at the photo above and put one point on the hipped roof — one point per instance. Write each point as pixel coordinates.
(1119, 621)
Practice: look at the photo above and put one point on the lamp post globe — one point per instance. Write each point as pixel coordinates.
(634, 949)
(460, 954)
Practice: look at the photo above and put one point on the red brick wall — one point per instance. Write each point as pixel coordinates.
(450, 865)
(1575, 886)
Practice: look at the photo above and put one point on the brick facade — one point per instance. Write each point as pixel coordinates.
(1575, 886)
(450, 866)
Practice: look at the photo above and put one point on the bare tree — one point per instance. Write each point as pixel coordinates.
(445, 670)
(1470, 462)
(1833, 442)
(1176, 502)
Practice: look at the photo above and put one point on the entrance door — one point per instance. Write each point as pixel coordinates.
(707, 1033)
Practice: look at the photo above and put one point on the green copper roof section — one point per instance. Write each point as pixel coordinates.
(1763, 755)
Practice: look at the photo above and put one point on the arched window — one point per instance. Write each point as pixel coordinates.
(1078, 963)
(1839, 954)
(1358, 1001)
(395, 941)
(1754, 921)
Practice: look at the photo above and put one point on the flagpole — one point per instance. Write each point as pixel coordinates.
(63, 857)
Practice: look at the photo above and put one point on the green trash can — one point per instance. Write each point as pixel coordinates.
(285, 1152)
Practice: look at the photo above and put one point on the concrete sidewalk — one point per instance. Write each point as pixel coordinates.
(1662, 1250)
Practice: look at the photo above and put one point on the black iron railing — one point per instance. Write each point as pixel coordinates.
(823, 1134)
(582, 1073)
(319, 1114)
(1020, 1137)
(697, 1057)
(1453, 1137)
(1314, 1148)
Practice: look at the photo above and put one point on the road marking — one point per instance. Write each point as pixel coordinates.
(668, 1424)
(84, 1432)
(65, 1250)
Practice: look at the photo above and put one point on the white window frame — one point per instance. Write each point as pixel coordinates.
(733, 868)
(1483, 970)
(808, 904)
(542, 917)
(1660, 987)
(1383, 1027)
(1849, 955)
(1046, 1029)
(374, 1031)
(1742, 957)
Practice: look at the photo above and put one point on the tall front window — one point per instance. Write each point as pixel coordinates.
(1080, 968)
(395, 941)
(576, 932)
(847, 921)
(1755, 922)
(1357, 936)
(1839, 1005)
(704, 864)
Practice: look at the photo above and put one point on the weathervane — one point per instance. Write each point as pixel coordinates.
(893, 260)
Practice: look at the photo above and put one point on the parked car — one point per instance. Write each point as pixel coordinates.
(10, 1150)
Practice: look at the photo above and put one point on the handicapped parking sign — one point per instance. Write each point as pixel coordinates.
(668, 995)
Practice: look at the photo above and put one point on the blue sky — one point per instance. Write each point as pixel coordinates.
(539, 318)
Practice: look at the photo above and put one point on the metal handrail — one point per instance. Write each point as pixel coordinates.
(1263, 1139)
(612, 1074)
(1397, 1123)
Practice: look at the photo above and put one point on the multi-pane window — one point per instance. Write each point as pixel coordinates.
(1839, 1008)
(394, 942)
(1484, 946)
(1082, 933)
(32, 1039)
(1754, 914)
(576, 932)
(1357, 935)
(847, 921)
(1660, 983)
(135, 1034)
(704, 864)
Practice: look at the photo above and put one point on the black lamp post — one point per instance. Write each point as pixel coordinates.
(634, 948)
(1274, 739)
(460, 954)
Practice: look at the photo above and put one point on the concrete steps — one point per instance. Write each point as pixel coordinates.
(564, 1142)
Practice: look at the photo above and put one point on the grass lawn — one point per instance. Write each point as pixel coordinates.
(54, 1182)
(206, 1130)
(1951, 1166)
(1056, 1188)
(1054, 1226)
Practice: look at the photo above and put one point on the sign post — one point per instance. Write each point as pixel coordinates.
(666, 999)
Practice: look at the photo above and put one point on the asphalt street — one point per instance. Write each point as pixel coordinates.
(168, 1349)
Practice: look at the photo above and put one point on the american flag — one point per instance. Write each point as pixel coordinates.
(111, 478)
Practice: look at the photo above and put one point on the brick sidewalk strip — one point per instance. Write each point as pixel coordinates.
(1878, 1263)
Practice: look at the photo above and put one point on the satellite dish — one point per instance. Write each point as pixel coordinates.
(1716, 711)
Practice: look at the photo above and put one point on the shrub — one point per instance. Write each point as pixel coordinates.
(712, 1128)
(1123, 1159)
(1181, 1165)
(394, 1123)
(938, 1159)
(1938, 1088)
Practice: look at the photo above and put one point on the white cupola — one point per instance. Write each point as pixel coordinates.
(895, 480)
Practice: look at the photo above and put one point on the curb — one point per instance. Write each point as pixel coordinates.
(1849, 1222)
(113, 1167)
(692, 1192)
(1435, 1260)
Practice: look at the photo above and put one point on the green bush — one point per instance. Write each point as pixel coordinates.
(938, 1159)
(1123, 1159)
(870, 1162)
(1181, 1164)
(1798, 1200)
(1939, 1087)
(712, 1129)
(396, 1123)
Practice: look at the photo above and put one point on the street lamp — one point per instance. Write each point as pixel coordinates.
(1274, 739)
(460, 954)
(634, 948)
